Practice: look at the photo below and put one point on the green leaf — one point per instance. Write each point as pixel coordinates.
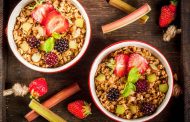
(129, 89)
(56, 35)
(48, 45)
(133, 75)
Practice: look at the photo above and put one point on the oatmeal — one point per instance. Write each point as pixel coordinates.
(49, 33)
(131, 82)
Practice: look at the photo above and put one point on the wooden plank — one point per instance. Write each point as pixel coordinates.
(100, 13)
(186, 55)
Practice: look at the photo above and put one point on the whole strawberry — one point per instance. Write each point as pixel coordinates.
(38, 87)
(168, 14)
(79, 108)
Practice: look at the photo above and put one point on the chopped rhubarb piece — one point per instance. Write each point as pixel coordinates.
(137, 14)
(55, 22)
(41, 12)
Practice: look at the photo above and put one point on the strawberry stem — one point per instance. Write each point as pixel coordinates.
(174, 2)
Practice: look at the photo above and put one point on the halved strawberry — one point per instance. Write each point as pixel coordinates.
(40, 12)
(55, 22)
(136, 60)
(121, 64)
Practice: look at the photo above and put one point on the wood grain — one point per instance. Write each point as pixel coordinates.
(100, 13)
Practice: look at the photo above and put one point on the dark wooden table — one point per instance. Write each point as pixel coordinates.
(12, 71)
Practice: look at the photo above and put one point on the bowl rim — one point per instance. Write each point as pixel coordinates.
(64, 67)
(111, 115)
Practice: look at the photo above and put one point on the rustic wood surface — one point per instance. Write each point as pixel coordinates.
(100, 13)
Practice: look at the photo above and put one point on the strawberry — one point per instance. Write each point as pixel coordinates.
(40, 12)
(121, 65)
(55, 22)
(136, 60)
(168, 14)
(79, 108)
(38, 87)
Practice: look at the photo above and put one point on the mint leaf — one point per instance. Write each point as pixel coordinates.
(56, 35)
(48, 45)
(129, 89)
(133, 75)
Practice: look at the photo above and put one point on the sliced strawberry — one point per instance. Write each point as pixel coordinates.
(136, 60)
(121, 65)
(55, 22)
(40, 12)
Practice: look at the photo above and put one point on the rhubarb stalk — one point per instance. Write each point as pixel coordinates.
(127, 8)
(57, 98)
(45, 112)
(127, 19)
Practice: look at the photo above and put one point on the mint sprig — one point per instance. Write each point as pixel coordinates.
(133, 77)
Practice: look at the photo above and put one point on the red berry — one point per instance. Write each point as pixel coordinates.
(141, 86)
(55, 22)
(121, 65)
(40, 12)
(167, 15)
(136, 60)
(79, 108)
(38, 87)
(51, 59)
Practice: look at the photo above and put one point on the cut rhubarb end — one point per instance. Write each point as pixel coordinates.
(137, 14)
(120, 4)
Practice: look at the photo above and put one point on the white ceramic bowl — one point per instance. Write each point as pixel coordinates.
(12, 21)
(114, 47)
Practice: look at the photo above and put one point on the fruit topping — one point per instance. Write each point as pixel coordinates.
(33, 42)
(61, 45)
(113, 94)
(73, 44)
(40, 12)
(79, 109)
(163, 87)
(48, 45)
(168, 14)
(120, 109)
(121, 65)
(101, 77)
(55, 22)
(56, 35)
(79, 22)
(151, 78)
(141, 86)
(51, 59)
(133, 108)
(136, 60)
(147, 108)
(38, 87)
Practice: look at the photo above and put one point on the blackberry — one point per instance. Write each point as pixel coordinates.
(113, 94)
(51, 59)
(141, 86)
(147, 108)
(33, 42)
(61, 45)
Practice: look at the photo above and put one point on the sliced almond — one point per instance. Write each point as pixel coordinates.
(36, 57)
(73, 44)
(24, 46)
(76, 33)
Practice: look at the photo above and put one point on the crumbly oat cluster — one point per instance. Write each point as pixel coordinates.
(28, 34)
(139, 103)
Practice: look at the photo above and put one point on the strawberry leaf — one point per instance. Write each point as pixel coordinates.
(48, 45)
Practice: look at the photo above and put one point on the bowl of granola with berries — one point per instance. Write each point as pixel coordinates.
(131, 81)
(49, 35)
